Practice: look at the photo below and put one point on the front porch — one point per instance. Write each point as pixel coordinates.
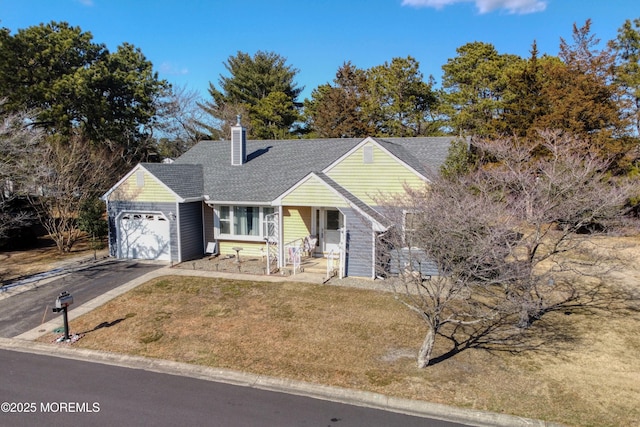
(310, 269)
(290, 239)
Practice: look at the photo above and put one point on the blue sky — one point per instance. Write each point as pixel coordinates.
(188, 41)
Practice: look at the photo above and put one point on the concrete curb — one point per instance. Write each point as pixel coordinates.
(317, 391)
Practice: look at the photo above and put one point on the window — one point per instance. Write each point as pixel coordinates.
(225, 220)
(246, 221)
(140, 178)
(333, 220)
(410, 225)
(243, 221)
(269, 226)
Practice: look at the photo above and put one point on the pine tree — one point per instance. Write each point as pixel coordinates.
(261, 88)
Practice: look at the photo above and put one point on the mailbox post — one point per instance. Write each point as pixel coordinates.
(63, 301)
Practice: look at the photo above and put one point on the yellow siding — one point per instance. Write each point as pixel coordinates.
(296, 222)
(313, 193)
(249, 249)
(367, 181)
(152, 191)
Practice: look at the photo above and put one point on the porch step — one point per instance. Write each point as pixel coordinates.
(314, 265)
(315, 270)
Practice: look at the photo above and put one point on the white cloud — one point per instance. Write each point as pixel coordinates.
(486, 6)
(170, 69)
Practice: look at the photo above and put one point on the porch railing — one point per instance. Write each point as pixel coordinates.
(293, 254)
(271, 255)
(272, 243)
(335, 262)
(295, 249)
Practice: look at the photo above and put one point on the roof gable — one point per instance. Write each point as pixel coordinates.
(161, 182)
(379, 145)
(371, 171)
(356, 203)
(311, 191)
(318, 189)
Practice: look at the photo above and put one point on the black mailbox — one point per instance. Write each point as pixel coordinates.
(64, 300)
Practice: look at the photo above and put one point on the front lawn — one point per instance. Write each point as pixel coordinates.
(366, 340)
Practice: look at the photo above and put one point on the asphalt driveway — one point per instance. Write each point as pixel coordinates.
(29, 309)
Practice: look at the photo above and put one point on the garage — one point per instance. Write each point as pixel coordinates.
(144, 236)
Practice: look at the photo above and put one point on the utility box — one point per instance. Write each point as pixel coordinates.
(64, 300)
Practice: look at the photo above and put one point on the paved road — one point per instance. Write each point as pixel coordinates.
(27, 310)
(105, 395)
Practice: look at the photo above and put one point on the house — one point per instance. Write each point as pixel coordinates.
(268, 197)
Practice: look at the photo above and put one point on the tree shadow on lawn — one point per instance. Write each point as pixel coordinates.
(551, 331)
(106, 325)
(502, 336)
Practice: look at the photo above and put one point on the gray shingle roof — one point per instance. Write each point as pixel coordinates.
(425, 155)
(184, 179)
(272, 167)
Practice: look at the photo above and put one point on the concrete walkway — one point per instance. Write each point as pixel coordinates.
(24, 343)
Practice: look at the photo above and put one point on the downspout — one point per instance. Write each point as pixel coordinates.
(109, 237)
(177, 223)
(204, 229)
(343, 249)
(373, 253)
(280, 238)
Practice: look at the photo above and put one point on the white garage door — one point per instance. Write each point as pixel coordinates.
(144, 236)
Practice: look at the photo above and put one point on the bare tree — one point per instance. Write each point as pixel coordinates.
(63, 177)
(17, 139)
(180, 121)
(509, 242)
(219, 127)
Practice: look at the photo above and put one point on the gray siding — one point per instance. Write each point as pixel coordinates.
(411, 259)
(393, 259)
(359, 234)
(116, 207)
(191, 239)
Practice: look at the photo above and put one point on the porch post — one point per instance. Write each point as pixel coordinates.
(281, 262)
(343, 249)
